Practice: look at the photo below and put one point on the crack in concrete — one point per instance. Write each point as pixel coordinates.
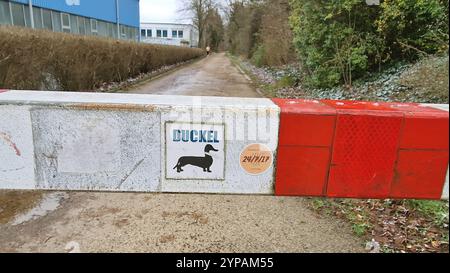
(125, 178)
(12, 170)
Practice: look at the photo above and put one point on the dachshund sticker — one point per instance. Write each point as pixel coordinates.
(204, 162)
(195, 151)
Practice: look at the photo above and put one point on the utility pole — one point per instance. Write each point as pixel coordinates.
(118, 19)
(30, 7)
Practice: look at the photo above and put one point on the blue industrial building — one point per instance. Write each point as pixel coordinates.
(107, 18)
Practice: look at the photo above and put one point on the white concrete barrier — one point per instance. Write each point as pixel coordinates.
(178, 144)
(142, 143)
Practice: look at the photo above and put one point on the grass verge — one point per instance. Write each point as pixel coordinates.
(267, 90)
(412, 226)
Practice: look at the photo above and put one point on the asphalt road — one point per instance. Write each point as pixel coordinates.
(127, 222)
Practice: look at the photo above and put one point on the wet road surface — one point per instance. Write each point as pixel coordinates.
(214, 75)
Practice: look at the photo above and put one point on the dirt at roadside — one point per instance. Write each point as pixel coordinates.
(129, 222)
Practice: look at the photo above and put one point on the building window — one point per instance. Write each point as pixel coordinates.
(177, 34)
(5, 16)
(159, 33)
(165, 34)
(102, 28)
(27, 16)
(56, 20)
(81, 29)
(37, 17)
(73, 24)
(149, 33)
(129, 33)
(111, 32)
(123, 34)
(65, 19)
(143, 32)
(47, 19)
(87, 26)
(135, 34)
(18, 17)
(94, 27)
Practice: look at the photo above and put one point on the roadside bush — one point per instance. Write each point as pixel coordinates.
(42, 60)
(339, 41)
(258, 57)
(412, 27)
(335, 40)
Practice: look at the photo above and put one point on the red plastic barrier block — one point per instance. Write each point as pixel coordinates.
(305, 139)
(420, 174)
(423, 158)
(425, 127)
(307, 130)
(306, 123)
(364, 153)
(302, 171)
(426, 130)
(377, 150)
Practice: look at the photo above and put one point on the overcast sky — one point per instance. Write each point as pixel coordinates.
(162, 11)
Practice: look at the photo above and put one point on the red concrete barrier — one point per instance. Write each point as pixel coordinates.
(305, 144)
(361, 149)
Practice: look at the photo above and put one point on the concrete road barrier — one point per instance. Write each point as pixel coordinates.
(177, 144)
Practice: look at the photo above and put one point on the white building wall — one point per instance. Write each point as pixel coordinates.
(189, 39)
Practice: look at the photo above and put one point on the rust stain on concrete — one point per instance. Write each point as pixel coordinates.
(113, 107)
(8, 141)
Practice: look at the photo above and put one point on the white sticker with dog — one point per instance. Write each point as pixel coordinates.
(195, 151)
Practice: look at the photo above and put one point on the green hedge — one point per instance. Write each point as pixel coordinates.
(42, 60)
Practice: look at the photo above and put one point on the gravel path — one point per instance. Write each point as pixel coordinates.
(211, 76)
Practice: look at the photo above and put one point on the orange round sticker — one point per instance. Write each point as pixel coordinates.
(256, 159)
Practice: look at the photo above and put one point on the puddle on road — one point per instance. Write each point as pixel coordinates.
(49, 203)
(14, 202)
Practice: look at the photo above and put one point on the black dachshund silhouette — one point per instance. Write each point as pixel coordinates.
(202, 162)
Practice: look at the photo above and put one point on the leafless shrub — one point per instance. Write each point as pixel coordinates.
(276, 34)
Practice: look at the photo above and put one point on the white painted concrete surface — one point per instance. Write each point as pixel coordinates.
(116, 142)
(445, 192)
(246, 122)
(444, 107)
(16, 148)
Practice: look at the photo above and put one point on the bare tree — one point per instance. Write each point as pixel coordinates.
(199, 10)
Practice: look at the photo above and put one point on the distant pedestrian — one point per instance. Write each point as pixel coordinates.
(208, 50)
